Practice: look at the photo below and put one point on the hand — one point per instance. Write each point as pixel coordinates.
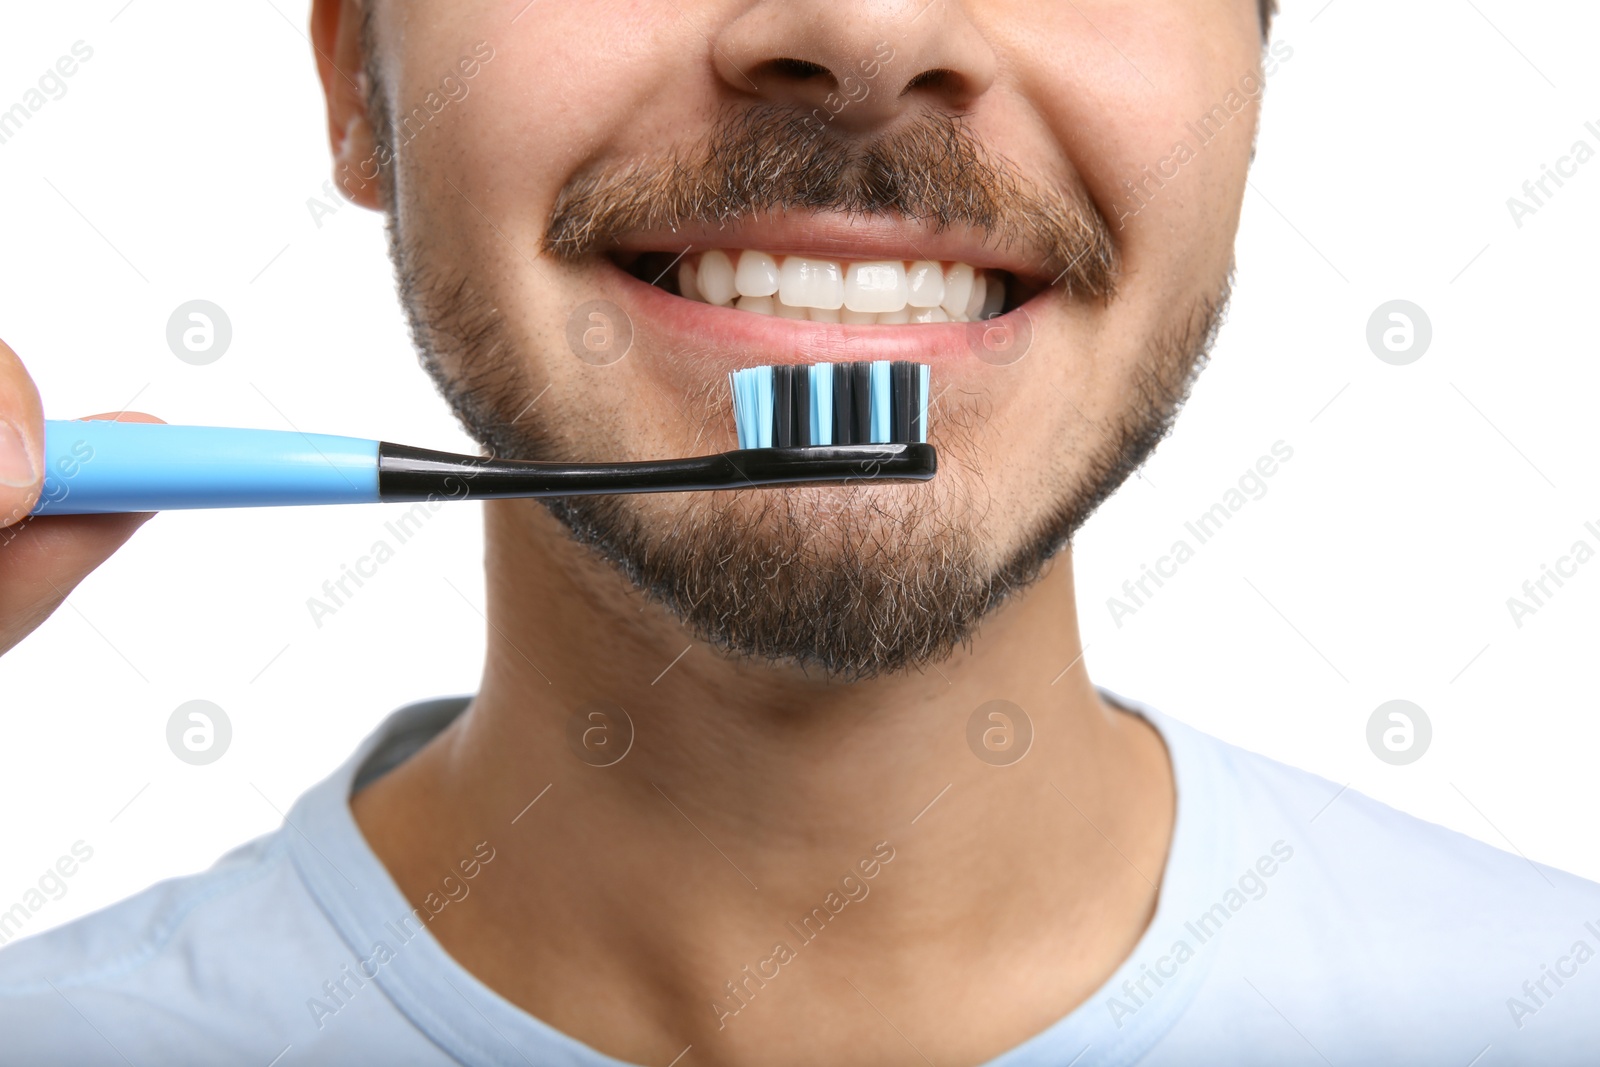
(43, 559)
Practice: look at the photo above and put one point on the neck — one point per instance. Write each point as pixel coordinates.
(751, 797)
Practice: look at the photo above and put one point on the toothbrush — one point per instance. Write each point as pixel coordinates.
(822, 423)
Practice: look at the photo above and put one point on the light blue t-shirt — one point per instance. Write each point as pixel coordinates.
(1298, 923)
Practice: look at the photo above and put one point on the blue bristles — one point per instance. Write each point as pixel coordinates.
(752, 406)
(922, 400)
(821, 403)
(880, 402)
(800, 406)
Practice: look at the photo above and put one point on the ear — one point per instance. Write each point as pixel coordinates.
(341, 65)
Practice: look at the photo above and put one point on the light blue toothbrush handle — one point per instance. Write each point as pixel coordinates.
(98, 467)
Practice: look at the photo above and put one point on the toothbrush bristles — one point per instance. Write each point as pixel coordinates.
(799, 405)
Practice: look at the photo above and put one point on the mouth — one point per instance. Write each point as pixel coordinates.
(811, 287)
(856, 292)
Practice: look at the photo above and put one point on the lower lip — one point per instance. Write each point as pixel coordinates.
(726, 338)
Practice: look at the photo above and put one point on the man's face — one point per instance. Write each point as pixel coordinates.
(1087, 159)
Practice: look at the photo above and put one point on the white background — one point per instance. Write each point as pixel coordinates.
(1377, 566)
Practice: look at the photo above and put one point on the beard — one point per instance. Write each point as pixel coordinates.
(849, 583)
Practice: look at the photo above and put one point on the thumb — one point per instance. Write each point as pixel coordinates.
(21, 439)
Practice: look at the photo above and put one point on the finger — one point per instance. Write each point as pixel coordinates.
(43, 559)
(121, 416)
(21, 439)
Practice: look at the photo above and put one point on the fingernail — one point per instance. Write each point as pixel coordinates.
(16, 466)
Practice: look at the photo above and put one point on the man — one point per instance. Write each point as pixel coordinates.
(790, 776)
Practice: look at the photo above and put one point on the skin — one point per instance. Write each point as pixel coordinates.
(608, 912)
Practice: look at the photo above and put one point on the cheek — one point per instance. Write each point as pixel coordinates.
(1119, 86)
(1132, 91)
(569, 84)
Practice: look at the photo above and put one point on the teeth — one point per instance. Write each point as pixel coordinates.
(876, 285)
(855, 292)
(716, 277)
(812, 283)
(925, 284)
(688, 282)
(957, 288)
(757, 274)
(980, 289)
(994, 301)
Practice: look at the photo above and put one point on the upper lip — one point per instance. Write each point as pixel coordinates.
(835, 235)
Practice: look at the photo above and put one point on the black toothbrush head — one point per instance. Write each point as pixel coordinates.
(811, 405)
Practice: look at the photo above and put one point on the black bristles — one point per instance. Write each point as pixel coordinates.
(783, 406)
(902, 376)
(791, 406)
(842, 405)
(802, 406)
(860, 402)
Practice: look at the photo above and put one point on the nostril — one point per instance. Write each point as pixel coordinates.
(937, 79)
(794, 69)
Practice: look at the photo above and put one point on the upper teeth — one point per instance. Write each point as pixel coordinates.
(830, 290)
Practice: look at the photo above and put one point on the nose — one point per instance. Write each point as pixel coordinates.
(856, 65)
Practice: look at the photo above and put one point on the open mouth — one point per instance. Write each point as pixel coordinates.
(887, 292)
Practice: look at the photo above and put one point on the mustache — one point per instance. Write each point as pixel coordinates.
(931, 170)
